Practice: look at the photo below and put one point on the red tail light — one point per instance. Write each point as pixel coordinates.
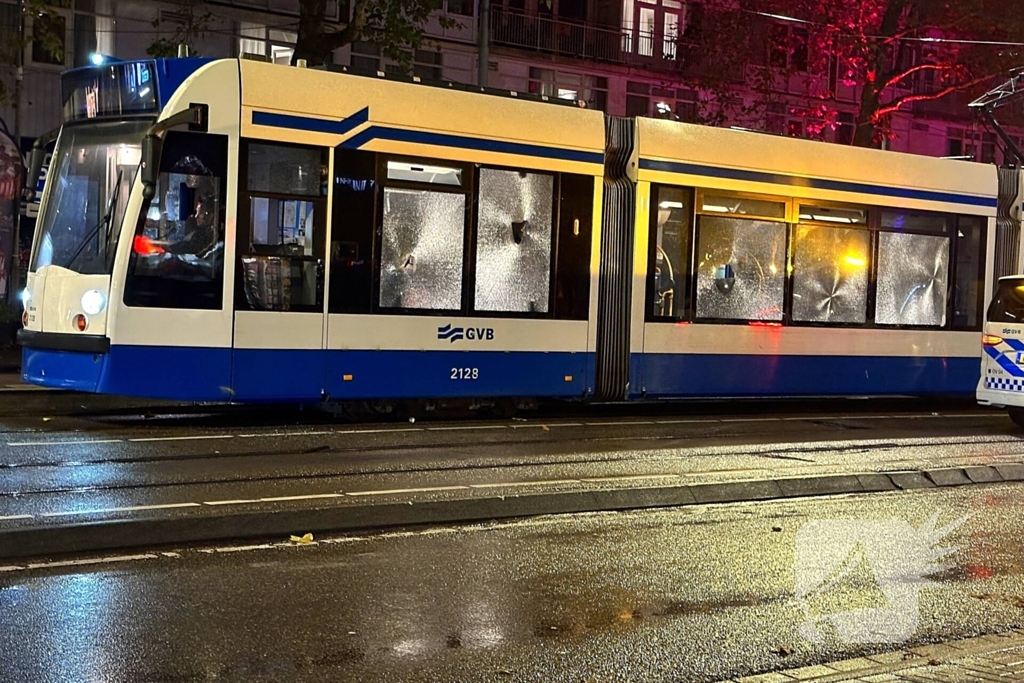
(80, 322)
(762, 323)
(991, 340)
(145, 247)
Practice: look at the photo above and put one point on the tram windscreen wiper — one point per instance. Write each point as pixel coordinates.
(105, 221)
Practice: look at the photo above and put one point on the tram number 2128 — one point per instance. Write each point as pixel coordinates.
(465, 373)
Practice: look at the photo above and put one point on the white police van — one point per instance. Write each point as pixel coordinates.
(1002, 360)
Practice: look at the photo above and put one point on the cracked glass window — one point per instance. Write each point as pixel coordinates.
(741, 271)
(513, 248)
(421, 249)
(830, 274)
(284, 169)
(912, 274)
(671, 252)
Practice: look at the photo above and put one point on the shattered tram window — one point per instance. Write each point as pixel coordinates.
(421, 250)
(741, 271)
(912, 276)
(830, 274)
(513, 251)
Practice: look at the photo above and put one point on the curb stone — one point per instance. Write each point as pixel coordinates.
(926, 660)
(162, 528)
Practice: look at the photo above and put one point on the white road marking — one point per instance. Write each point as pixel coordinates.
(90, 560)
(183, 438)
(10, 517)
(237, 501)
(755, 419)
(683, 422)
(426, 489)
(464, 428)
(549, 482)
(133, 508)
(631, 477)
(308, 497)
(273, 434)
(243, 548)
(564, 424)
(63, 443)
(379, 431)
(618, 424)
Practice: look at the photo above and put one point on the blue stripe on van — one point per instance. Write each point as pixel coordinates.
(816, 183)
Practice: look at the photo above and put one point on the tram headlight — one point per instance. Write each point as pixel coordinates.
(26, 296)
(94, 301)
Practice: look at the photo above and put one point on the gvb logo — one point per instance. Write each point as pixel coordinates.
(455, 334)
(860, 580)
(449, 332)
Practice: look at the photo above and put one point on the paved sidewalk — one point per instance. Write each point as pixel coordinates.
(987, 658)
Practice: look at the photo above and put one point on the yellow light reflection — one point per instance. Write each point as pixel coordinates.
(855, 261)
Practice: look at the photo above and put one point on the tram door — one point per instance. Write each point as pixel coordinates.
(279, 272)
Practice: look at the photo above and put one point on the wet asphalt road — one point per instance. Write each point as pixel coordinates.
(691, 594)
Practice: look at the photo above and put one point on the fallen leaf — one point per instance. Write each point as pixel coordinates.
(47, 419)
(545, 428)
(306, 538)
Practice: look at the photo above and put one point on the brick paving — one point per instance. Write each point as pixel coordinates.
(986, 659)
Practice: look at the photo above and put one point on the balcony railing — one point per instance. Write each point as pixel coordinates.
(566, 38)
(581, 40)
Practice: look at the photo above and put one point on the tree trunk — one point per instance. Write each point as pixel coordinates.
(311, 43)
(871, 94)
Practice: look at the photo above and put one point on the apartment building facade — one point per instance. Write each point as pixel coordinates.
(624, 57)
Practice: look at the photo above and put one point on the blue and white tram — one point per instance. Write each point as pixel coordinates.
(239, 231)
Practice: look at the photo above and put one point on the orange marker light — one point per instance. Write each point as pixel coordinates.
(991, 340)
(80, 322)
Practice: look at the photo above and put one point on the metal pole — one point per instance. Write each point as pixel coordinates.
(484, 43)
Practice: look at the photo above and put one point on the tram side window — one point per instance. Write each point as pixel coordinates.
(671, 211)
(281, 248)
(572, 270)
(831, 270)
(741, 269)
(513, 241)
(913, 272)
(352, 222)
(422, 237)
(970, 273)
(177, 254)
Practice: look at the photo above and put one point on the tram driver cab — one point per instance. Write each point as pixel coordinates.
(1002, 365)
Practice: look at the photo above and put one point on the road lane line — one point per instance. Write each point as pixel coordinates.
(133, 508)
(464, 428)
(10, 517)
(272, 434)
(63, 443)
(564, 424)
(379, 431)
(237, 501)
(756, 419)
(684, 422)
(619, 424)
(183, 438)
(426, 489)
(550, 482)
(91, 560)
(631, 477)
(278, 499)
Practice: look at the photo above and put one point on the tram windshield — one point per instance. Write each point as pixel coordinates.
(88, 185)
